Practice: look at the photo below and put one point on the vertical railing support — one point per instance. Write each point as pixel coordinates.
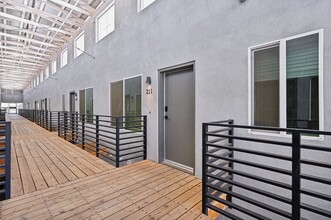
(50, 121)
(83, 131)
(72, 127)
(96, 135)
(58, 124)
(8, 158)
(117, 142)
(65, 125)
(296, 181)
(204, 168)
(145, 136)
(76, 128)
(231, 133)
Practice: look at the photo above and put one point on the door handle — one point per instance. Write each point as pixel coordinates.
(166, 117)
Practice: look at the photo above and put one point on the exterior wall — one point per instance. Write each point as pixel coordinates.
(214, 34)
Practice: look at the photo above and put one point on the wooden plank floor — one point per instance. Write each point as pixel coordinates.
(61, 181)
(40, 159)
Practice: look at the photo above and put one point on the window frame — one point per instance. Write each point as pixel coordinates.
(282, 83)
(77, 52)
(123, 80)
(62, 52)
(46, 72)
(140, 4)
(54, 66)
(97, 38)
(85, 103)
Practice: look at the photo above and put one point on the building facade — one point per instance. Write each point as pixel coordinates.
(203, 61)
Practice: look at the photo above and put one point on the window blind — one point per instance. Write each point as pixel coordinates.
(302, 57)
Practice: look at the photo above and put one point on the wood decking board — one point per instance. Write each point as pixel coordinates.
(56, 180)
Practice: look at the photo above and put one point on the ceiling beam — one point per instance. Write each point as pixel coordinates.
(29, 40)
(15, 18)
(68, 5)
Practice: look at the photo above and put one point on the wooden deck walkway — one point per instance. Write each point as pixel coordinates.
(61, 181)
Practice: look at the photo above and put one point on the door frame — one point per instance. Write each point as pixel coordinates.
(161, 125)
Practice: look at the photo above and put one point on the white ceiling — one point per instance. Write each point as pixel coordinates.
(33, 32)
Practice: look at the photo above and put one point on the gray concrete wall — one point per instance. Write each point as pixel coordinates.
(215, 34)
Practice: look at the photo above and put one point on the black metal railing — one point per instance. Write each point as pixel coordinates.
(44, 118)
(118, 140)
(252, 176)
(5, 159)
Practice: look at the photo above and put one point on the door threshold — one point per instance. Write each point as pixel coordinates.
(179, 166)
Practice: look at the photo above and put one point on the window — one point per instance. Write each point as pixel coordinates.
(54, 66)
(41, 77)
(144, 4)
(47, 72)
(37, 80)
(79, 45)
(105, 23)
(286, 83)
(64, 57)
(86, 103)
(126, 97)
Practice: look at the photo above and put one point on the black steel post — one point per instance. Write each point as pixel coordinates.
(296, 181)
(65, 127)
(50, 121)
(97, 135)
(58, 124)
(231, 133)
(72, 127)
(204, 168)
(117, 141)
(145, 136)
(76, 129)
(8, 158)
(83, 131)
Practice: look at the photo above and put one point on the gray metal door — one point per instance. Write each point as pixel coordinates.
(179, 118)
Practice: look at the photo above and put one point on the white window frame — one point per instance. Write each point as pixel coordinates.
(46, 76)
(140, 5)
(282, 83)
(80, 51)
(65, 50)
(97, 38)
(123, 80)
(54, 67)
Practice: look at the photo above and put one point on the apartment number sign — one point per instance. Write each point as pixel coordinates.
(149, 91)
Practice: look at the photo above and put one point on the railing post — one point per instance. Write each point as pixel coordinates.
(96, 135)
(231, 133)
(204, 168)
(8, 158)
(58, 124)
(76, 128)
(145, 136)
(46, 119)
(117, 141)
(50, 121)
(72, 126)
(83, 131)
(65, 126)
(296, 181)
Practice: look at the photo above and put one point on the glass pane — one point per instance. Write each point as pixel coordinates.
(133, 96)
(82, 101)
(117, 98)
(266, 87)
(89, 105)
(302, 83)
(132, 102)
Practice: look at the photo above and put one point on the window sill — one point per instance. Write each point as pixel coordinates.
(283, 135)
